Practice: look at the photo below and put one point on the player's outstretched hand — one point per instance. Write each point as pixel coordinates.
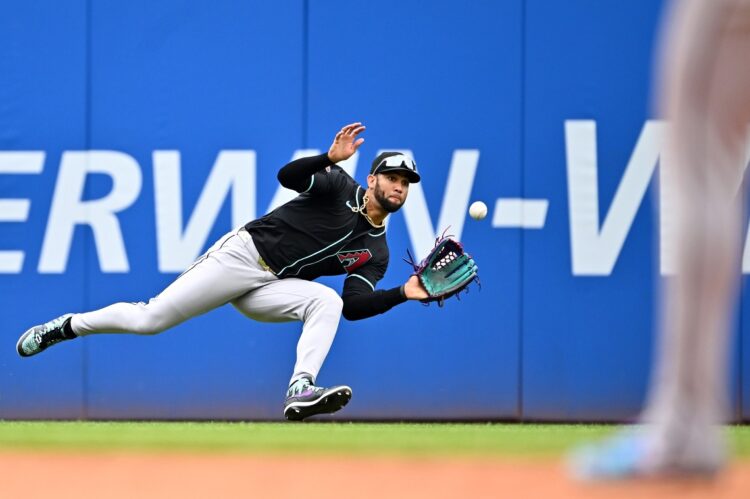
(413, 289)
(346, 143)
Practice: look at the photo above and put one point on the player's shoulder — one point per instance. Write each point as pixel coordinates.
(339, 176)
(336, 170)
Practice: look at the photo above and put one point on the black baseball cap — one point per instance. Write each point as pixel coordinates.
(395, 162)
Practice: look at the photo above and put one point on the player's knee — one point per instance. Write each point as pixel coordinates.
(329, 300)
(151, 322)
(147, 328)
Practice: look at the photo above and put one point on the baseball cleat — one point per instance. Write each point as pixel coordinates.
(39, 338)
(616, 458)
(303, 399)
(627, 455)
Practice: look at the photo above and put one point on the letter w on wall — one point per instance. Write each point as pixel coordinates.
(595, 248)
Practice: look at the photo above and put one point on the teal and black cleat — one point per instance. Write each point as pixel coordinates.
(38, 338)
(303, 399)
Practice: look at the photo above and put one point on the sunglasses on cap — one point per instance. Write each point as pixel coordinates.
(398, 162)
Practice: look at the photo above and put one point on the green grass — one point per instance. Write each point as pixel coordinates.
(444, 439)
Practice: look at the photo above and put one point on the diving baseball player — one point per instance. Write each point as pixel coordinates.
(266, 269)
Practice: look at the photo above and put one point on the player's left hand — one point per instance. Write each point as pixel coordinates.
(346, 143)
(413, 289)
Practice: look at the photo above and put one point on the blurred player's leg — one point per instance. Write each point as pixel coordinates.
(705, 96)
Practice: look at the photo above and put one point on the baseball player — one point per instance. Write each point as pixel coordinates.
(266, 269)
(705, 95)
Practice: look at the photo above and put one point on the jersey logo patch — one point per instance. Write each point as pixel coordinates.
(354, 259)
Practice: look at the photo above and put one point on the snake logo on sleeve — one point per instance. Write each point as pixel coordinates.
(352, 260)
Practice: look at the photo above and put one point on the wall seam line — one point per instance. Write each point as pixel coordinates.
(305, 70)
(521, 279)
(87, 246)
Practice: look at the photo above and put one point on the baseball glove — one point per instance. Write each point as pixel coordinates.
(446, 271)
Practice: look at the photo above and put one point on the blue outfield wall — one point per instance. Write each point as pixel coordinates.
(134, 135)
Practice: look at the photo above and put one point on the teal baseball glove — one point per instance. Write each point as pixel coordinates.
(446, 271)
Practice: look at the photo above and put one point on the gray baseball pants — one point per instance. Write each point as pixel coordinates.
(229, 272)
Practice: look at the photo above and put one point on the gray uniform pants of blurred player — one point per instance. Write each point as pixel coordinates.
(229, 272)
(705, 96)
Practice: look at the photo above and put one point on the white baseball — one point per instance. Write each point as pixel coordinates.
(478, 210)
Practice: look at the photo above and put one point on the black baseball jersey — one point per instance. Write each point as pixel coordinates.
(321, 232)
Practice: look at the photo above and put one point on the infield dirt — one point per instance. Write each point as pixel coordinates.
(28, 474)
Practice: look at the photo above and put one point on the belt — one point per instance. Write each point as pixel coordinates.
(265, 266)
(245, 236)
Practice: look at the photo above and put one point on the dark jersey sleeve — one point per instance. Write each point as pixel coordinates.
(361, 299)
(316, 176)
(300, 174)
